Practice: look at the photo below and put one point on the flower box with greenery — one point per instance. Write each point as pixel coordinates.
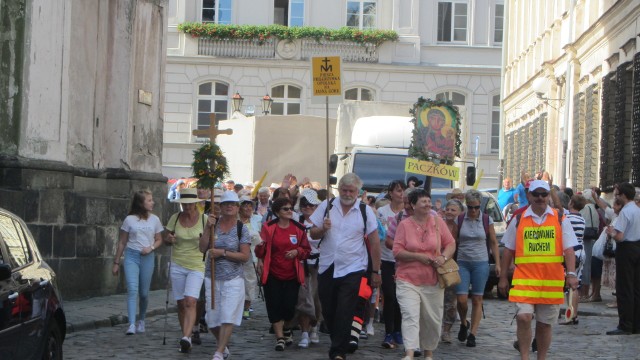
(264, 32)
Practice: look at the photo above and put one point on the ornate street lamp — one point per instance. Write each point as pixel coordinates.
(266, 104)
(236, 102)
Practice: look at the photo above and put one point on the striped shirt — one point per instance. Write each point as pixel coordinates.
(578, 224)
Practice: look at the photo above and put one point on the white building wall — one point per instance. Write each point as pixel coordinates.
(416, 65)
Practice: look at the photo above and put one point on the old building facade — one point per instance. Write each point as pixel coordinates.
(446, 50)
(572, 91)
(81, 125)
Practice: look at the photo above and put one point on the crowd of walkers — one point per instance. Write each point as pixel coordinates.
(324, 263)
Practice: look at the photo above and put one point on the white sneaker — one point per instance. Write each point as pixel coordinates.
(140, 327)
(304, 342)
(370, 330)
(313, 337)
(226, 353)
(131, 330)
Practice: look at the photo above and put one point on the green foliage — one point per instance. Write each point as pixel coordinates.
(209, 165)
(262, 33)
(418, 152)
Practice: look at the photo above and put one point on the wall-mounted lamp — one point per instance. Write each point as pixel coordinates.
(236, 102)
(266, 104)
(541, 87)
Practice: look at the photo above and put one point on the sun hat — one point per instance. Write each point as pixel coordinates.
(311, 196)
(229, 196)
(217, 194)
(538, 184)
(244, 199)
(453, 193)
(188, 196)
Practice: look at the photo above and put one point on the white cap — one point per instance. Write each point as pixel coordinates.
(229, 196)
(539, 184)
(274, 186)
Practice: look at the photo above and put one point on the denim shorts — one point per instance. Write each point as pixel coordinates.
(474, 273)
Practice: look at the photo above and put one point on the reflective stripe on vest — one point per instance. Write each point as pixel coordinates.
(539, 275)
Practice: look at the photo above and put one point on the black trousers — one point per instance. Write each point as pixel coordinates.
(281, 297)
(391, 311)
(339, 297)
(628, 285)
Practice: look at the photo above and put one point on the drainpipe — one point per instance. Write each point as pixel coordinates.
(503, 91)
(568, 99)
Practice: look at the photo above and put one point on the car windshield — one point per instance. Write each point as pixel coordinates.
(378, 170)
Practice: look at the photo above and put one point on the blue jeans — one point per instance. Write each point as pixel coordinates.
(138, 270)
(475, 273)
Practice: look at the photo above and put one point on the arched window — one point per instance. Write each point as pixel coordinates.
(286, 100)
(455, 97)
(213, 97)
(362, 94)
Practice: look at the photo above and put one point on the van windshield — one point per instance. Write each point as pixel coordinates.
(378, 170)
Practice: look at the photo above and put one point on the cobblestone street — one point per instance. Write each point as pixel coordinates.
(252, 341)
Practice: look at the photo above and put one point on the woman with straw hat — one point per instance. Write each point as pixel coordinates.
(188, 232)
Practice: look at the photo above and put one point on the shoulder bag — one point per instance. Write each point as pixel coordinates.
(448, 274)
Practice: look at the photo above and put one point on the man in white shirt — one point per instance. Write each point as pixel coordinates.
(627, 235)
(343, 259)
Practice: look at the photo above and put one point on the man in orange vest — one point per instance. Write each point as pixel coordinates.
(538, 242)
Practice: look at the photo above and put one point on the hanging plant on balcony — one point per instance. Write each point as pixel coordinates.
(263, 33)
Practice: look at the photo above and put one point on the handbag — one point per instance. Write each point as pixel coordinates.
(590, 233)
(609, 250)
(598, 247)
(448, 273)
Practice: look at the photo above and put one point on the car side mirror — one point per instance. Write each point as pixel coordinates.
(333, 163)
(471, 175)
(5, 272)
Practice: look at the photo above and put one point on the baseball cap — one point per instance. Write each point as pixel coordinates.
(229, 196)
(538, 184)
(311, 196)
(244, 199)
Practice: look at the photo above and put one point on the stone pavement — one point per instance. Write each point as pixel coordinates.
(97, 327)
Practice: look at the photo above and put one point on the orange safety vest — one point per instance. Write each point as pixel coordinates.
(539, 275)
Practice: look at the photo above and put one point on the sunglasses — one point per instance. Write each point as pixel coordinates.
(308, 205)
(539, 194)
(473, 207)
(286, 208)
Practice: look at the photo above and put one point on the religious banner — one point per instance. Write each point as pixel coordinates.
(436, 134)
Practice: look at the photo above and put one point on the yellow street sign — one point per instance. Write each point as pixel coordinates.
(325, 72)
(432, 169)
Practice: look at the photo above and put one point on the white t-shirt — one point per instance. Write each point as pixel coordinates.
(386, 215)
(141, 232)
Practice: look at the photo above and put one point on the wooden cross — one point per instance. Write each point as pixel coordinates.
(212, 131)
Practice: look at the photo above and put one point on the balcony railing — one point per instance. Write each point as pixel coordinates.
(298, 49)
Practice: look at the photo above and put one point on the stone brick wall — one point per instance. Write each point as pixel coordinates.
(74, 216)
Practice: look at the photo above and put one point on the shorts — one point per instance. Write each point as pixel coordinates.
(185, 282)
(545, 313)
(474, 273)
(229, 302)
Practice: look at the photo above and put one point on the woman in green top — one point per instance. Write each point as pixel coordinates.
(187, 232)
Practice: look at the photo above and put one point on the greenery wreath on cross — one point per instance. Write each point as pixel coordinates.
(417, 148)
(209, 165)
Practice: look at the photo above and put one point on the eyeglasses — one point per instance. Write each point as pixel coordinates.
(539, 194)
(473, 207)
(286, 208)
(308, 205)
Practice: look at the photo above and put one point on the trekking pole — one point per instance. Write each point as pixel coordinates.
(260, 293)
(166, 303)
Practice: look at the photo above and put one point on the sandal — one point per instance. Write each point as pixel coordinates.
(573, 321)
(280, 344)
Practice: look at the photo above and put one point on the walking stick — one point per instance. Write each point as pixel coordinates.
(260, 293)
(166, 303)
(212, 241)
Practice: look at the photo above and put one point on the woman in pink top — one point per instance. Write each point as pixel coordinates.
(422, 243)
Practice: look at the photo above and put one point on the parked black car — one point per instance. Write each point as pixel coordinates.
(32, 320)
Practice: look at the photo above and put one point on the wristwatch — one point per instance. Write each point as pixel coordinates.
(379, 272)
(224, 253)
(571, 273)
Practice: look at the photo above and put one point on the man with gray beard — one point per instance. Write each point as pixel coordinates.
(344, 260)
